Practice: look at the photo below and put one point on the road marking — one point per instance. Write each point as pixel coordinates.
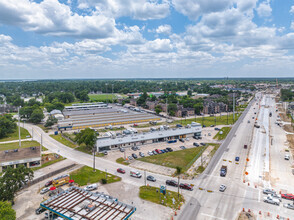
(259, 195)
(211, 216)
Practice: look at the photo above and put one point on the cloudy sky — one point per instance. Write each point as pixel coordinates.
(45, 39)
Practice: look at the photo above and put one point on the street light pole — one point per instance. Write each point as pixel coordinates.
(19, 129)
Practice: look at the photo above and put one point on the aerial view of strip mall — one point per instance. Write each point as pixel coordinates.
(146, 110)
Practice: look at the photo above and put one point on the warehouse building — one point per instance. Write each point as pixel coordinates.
(96, 118)
(29, 157)
(115, 142)
(77, 203)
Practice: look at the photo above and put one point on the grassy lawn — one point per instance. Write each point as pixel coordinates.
(101, 97)
(14, 136)
(62, 140)
(222, 136)
(207, 121)
(148, 125)
(44, 148)
(85, 175)
(14, 145)
(83, 149)
(122, 161)
(43, 127)
(150, 194)
(181, 158)
(71, 136)
(48, 163)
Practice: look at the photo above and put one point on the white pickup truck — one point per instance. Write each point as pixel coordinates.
(136, 174)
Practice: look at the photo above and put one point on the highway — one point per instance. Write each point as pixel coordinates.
(203, 204)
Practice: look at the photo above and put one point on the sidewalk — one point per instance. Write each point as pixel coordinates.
(7, 142)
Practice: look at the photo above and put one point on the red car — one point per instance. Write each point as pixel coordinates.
(48, 183)
(186, 186)
(120, 170)
(158, 151)
(288, 196)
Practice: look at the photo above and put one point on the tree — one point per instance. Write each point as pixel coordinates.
(172, 108)
(50, 121)
(82, 95)
(37, 116)
(142, 99)
(6, 211)
(189, 93)
(12, 180)
(88, 137)
(7, 125)
(158, 109)
(198, 108)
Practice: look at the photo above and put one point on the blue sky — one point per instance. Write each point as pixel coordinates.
(51, 39)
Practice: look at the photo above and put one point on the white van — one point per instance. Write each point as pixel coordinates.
(91, 187)
(136, 174)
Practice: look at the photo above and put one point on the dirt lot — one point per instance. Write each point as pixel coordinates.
(246, 216)
(288, 128)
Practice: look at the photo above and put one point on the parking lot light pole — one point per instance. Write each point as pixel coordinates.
(145, 176)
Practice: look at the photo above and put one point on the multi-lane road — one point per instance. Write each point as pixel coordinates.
(211, 204)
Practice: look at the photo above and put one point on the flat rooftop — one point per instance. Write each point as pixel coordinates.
(77, 203)
(20, 154)
(104, 142)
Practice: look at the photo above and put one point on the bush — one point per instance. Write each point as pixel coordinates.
(103, 181)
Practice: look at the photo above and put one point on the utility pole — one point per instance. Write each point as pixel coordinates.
(94, 150)
(19, 128)
(112, 94)
(233, 108)
(145, 176)
(32, 133)
(106, 93)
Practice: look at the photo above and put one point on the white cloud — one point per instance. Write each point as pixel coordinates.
(164, 29)
(264, 9)
(292, 9)
(137, 9)
(292, 25)
(195, 8)
(53, 18)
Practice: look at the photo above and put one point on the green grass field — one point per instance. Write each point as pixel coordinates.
(222, 136)
(85, 175)
(180, 158)
(207, 121)
(122, 161)
(14, 145)
(101, 97)
(14, 136)
(62, 140)
(149, 193)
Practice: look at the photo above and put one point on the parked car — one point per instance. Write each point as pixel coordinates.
(182, 140)
(179, 125)
(212, 126)
(287, 157)
(169, 149)
(48, 183)
(183, 147)
(195, 137)
(268, 191)
(186, 186)
(289, 206)
(141, 154)
(138, 148)
(222, 188)
(271, 200)
(91, 187)
(277, 196)
(134, 156)
(288, 196)
(171, 183)
(203, 144)
(157, 151)
(154, 152)
(237, 158)
(151, 178)
(105, 152)
(122, 149)
(40, 210)
(203, 126)
(44, 190)
(150, 153)
(134, 148)
(196, 144)
(217, 129)
(130, 157)
(120, 170)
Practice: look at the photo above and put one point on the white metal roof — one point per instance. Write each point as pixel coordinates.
(104, 142)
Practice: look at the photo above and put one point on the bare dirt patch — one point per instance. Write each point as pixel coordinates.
(284, 117)
(246, 216)
(288, 128)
